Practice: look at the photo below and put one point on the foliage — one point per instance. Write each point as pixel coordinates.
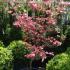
(42, 23)
(5, 59)
(68, 34)
(59, 62)
(7, 31)
(68, 51)
(1, 44)
(37, 53)
(44, 27)
(18, 49)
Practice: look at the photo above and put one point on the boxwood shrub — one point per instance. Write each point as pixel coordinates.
(5, 59)
(59, 62)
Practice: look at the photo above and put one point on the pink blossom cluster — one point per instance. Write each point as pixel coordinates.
(25, 22)
(51, 21)
(36, 29)
(53, 41)
(33, 5)
(29, 26)
(47, 2)
(65, 3)
(37, 51)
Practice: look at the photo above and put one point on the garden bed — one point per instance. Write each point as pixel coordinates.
(34, 35)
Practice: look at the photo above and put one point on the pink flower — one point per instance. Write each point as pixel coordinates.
(50, 53)
(51, 21)
(10, 11)
(65, 3)
(17, 24)
(60, 9)
(48, 12)
(42, 55)
(30, 56)
(33, 5)
(25, 22)
(57, 43)
(47, 2)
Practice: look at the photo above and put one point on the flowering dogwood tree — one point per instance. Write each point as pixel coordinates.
(43, 30)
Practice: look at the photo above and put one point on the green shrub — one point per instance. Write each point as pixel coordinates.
(59, 62)
(1, 44)
(18, 49)
(68, 51)
(5, 59)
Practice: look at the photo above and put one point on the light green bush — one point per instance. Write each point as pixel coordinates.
(5, 59)
(59, 62)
